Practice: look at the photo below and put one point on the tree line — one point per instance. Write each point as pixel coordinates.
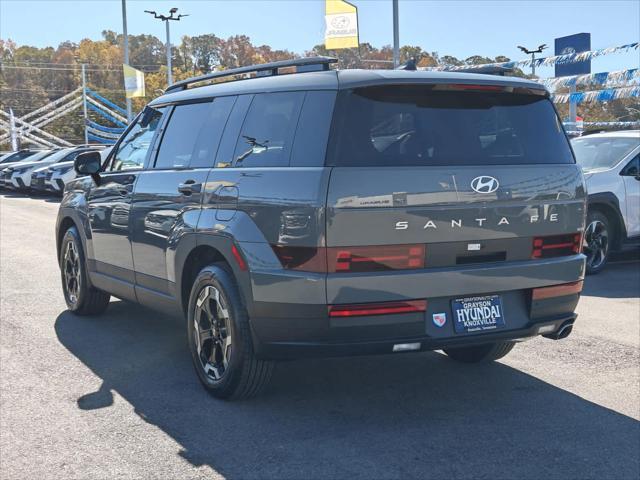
(30, 77)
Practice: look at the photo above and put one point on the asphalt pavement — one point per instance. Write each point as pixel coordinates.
(115, 396)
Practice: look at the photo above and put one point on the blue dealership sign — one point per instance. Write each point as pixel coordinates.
(580, 42)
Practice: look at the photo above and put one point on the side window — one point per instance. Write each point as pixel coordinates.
(224, 157)
(133, 148)
(268, 130)
(633, 167)
(180, 135)
(312, 134)
(209, 138)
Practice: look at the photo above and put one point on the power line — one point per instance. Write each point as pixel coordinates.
(69, 69)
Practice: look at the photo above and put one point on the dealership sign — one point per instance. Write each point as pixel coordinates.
(341, 29)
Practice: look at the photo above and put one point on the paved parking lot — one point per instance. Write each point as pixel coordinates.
(115, 396)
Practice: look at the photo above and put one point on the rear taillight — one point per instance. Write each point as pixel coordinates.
(375, 259)
(385, 308)
(556, 245)
(557, 291)
(351, 259)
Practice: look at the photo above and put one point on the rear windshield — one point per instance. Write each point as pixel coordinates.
(418, 125)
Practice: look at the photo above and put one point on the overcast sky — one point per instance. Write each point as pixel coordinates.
(459, 28)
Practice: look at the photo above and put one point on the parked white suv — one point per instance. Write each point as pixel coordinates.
(611, 166)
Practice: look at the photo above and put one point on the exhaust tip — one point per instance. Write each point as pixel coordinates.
(563, 332)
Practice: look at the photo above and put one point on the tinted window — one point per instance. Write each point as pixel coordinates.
(633, 167)
(134, 146)
(417, 125)
(312, 134)
(602, 152)
(180, 135)
(224, 157)
(209, 138)
(267, 133)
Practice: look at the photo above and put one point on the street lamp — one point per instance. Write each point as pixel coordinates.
(533, 55)
(166, 19)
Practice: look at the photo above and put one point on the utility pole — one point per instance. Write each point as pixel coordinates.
(126, 51)
(166, 19)
(396, 36)
(84, 104)
(533, 55)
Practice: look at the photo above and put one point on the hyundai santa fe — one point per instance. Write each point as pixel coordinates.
(328, 212)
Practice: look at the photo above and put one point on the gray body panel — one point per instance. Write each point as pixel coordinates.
(140, 251)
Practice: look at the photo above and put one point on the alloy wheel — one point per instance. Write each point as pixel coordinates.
(72, 272)
(212, 332)
(596, 243)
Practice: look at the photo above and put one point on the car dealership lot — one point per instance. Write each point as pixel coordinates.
(116, 396)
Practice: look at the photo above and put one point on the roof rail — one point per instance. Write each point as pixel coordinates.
(272, 68)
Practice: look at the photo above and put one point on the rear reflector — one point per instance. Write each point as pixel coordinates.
(556, 245)
(238, 256)
(406, 347)
(351, 259)
(386, 308)
(557, 291)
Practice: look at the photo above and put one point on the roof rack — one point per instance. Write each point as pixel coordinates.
(271, 68)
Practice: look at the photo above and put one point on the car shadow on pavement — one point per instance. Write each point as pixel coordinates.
(415, 415)
(618, 279)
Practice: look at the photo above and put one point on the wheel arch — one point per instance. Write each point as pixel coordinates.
(197, 253)
(607, 203)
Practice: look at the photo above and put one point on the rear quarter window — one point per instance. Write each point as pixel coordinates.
(267, 133)
(420, 126)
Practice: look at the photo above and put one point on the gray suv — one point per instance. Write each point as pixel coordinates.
(302, 211)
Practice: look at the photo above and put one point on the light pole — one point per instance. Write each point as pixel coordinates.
(166, 19)
(126, 50)
(533, 55)
(396, 35)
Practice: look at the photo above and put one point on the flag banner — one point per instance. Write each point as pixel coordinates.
(602, 78)
(613, 124)
(549, 61)
(341, 25)
(133, 82)
(597, 95)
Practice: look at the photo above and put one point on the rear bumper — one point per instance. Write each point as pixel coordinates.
(290, 350)
(289, 313)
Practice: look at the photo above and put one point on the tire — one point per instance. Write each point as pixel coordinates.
(480, 353)
(220, 342)
(598, 238)
(81, 298)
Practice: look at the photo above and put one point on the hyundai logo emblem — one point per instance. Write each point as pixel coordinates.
(485, 184)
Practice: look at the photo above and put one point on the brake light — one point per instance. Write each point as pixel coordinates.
(556, 245)
(351, 259)
(385, 308)
(556, 291)
(466, 86)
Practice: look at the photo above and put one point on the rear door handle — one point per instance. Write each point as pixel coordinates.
(189, 187)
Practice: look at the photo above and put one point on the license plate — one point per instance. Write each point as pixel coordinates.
(477, 314)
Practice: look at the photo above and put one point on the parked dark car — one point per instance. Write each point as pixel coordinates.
(333, 213)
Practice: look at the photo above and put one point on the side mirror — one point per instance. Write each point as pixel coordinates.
(88, 163)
